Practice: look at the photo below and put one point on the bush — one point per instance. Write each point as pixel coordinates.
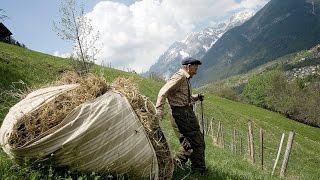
(298, 99)
(307, 109)
(256, 91)
(228, 93)
(279, 94)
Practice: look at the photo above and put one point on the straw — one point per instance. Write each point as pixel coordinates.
(47, 116)
(33, 124)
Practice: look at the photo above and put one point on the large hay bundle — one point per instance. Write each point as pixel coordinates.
(146, 113)
(38, 121)
(88, 126)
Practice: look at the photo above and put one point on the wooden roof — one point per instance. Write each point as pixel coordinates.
(4, 31)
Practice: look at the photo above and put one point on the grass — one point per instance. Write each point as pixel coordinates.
(37, 69)
(303, 160)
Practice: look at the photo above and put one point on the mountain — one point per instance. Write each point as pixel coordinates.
(196, 44)
(279, 28)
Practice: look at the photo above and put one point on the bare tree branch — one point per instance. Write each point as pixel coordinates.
(75, 27)
(2, 16)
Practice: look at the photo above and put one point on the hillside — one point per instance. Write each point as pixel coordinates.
(297, 64)
(36, 69)
(22, 69)
(281, 27)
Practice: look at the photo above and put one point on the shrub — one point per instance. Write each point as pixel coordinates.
(256, 91)
(227, 93)
(298, 99)
(279, 94)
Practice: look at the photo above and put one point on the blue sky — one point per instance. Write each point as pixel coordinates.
(31, 23)
(133, 33)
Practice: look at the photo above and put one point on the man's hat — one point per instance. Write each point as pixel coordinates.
(190, 60)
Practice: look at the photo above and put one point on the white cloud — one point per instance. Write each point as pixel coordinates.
(134, 36)
(60, 54)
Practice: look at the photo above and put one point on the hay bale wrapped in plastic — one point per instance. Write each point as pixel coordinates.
(87, 125)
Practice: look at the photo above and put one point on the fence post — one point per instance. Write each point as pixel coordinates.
(218, 132)
(240, 145)
(251, 142)
(287, 154)
(207, 128)
(261, 147)
(248, 144)
(203, 124)
(222, 137)
(211, 126)
(234, 144)
(278, 155)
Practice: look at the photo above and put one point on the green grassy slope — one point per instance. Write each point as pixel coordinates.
(36, 69)
(284, 63)
(21, 69)
(304, 160)
(223, 164)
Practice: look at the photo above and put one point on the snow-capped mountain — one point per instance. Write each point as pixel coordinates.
(196, 44)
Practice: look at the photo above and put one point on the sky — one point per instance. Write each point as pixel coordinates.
(132, 34)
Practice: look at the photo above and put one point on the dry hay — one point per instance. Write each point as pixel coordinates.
(33, 124)
(146, 113)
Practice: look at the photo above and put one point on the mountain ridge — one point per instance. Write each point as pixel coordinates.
(280, 27)
(195, 44)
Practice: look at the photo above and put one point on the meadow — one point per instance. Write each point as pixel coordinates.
(22, 70)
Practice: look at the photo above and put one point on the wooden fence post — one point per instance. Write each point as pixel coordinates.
(234, 144)
(207, 126)
(287, 154)
(204, 126)
(240, 145)
(222, 137)
(278, 155)
(251, 142)
(261, 147)
(218, 132)
(248, 145)
(211, 126)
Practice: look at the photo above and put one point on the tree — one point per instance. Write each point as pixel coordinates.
(256, 91)
(2, 16)
(75, 27)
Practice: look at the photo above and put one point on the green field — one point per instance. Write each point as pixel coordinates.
(22, 69)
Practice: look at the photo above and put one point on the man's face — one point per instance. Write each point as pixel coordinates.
(192, 69)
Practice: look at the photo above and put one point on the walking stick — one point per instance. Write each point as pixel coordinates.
(202, 118)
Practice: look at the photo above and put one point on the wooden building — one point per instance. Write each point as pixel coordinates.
(5, 34)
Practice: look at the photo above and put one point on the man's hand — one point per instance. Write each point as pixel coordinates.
(200, 97)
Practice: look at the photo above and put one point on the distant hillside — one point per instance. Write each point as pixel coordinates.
(298, 64)
(281, 27)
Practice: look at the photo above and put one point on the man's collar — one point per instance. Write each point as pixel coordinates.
(185, 73)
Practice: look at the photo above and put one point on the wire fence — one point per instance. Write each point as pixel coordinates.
(253, 145)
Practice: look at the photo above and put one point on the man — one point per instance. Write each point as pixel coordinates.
(178, 92)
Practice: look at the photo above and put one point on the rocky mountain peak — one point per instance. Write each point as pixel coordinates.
(195, 44)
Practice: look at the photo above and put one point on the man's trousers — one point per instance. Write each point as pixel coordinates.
(187, 129)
